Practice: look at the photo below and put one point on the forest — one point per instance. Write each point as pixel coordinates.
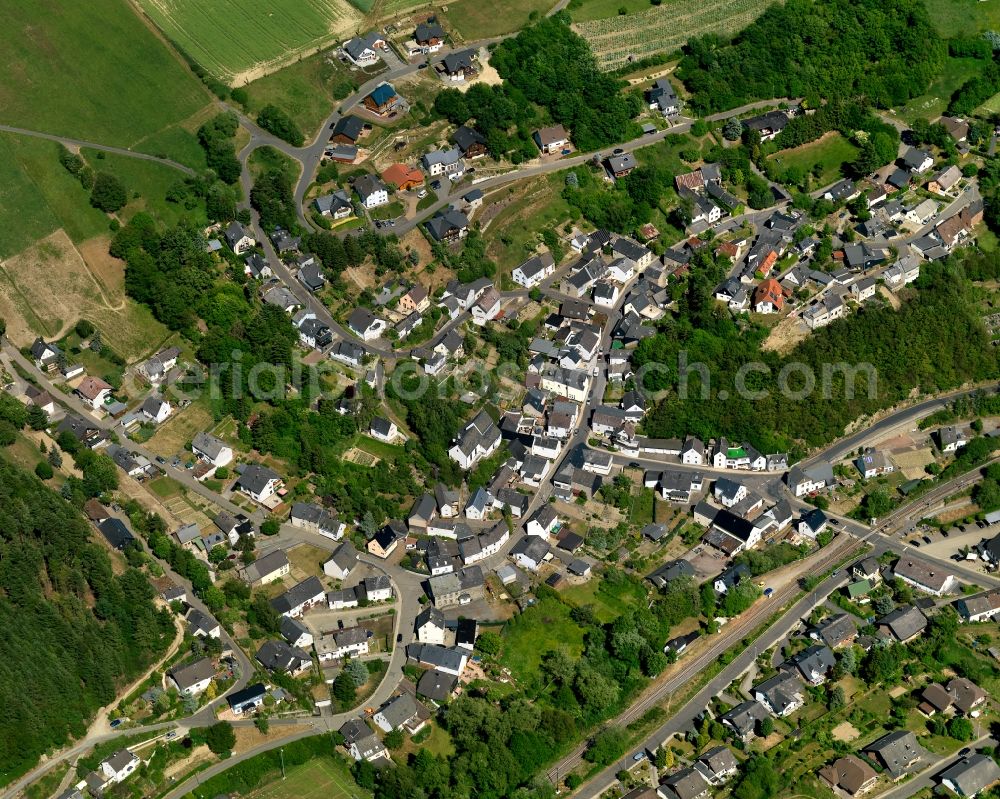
(554, 68)
(886, 51)
(73, 630)
(935, 342)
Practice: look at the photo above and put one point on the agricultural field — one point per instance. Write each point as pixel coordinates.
(307, 90)
(664, 28)
(469, 20)
(586, 10)
(827, 154)
(93, 71)
(241, 40)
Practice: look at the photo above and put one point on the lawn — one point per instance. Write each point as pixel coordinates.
(172, 435)
(306, 90)
(92, 71)
(266, 158)
(238, 40)
(991, 106)
(474, 19)
(319, 778)
(609, 602)
(541, 628)
(830, 152)
(933, 103)
(955, 18)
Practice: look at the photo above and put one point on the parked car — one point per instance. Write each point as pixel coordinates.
(171, 735)
(421, 194)
(768, 592)
(618, 151)
(436, 185)
(160, 459)
(926, 539)
(835, 522)
(116, 723)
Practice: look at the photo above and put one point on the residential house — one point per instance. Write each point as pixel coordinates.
(116, 533)
(945, 180)
(403, 177)
(813, 663)
(530, 552)
(295, 632)
(444, 162)
(971, 775)
(457, 588)
(487, 307)
(258, 482)
(300, 597)
(278, 656)
(238, 239)
(316, 519)
(781, 694)
(685, 783)
(361, 742)
(981, 607)
(717, 765)
(155, 370)
(415, 300)
(337, 205)
(745, 718)
(812, 523)
(363, 50)
(342, 562)
(479, 439)
(156, 409)
(347, 130)
(312, 277)
(403, 711)
(849, 774)
(46, 355)
(194, 678)
(470, 141)
(201, 625)
(429, 626)
(904, 624)
(93, 391)
(966, 695)
(383, 544)
(769, 296)
(534, 270)
(430, 36)
(448, 225)
(835, 631)
(917, 161)
(422, 512)
(543, 522)
(924, 575)
(951, 438)
(768, 125)
(266, 569)
(382, 99)
(343, 643)
(248, 700)
(621, 165)
(365, 325)
(383, 429)
(551, 139)
(371, 190)
(458, 66)
(662, 97)
(899, 753)
(211, 449)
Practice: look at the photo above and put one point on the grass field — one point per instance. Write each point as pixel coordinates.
(93, 71)
(991, 106)
(307, 90)
(828, 152)
(474, 19)
(932, 104)
(152, 182)
(319, 778)
(608, 603)
(513, 234)
(238, 40)
(543, 627)
(955, 18)
(660, 29)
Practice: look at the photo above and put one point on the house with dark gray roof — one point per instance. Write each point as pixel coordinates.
(300, 597)
(899, 753)
(970, 775)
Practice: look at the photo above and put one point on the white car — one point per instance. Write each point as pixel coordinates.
(421, 194)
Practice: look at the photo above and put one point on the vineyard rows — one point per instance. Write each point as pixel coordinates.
(664, 28)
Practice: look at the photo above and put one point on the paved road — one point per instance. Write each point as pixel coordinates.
(69, 142)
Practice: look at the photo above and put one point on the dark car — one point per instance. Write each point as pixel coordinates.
(914, 543)
(926, 539)
(945, 533)
(835, 522)
(160, 459)
(618, 151)
(422, 66)
(436, 185)
(634, 465)
(116, 723)
(399, 638)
